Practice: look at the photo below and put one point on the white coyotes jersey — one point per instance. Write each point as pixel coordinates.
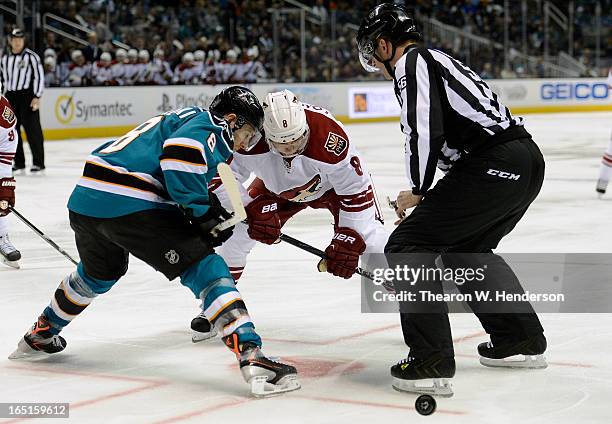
(329, 162)
(8, 138)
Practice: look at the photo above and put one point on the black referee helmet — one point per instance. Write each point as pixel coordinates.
(17, 33)
(389, 21)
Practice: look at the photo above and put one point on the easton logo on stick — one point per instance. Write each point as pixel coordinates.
(335, 144)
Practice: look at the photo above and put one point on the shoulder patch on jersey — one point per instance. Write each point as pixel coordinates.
(335, 144)
(8, 115)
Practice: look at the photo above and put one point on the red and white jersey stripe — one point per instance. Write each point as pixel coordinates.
(8, 138)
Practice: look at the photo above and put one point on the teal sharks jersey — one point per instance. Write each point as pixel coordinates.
(163, 163)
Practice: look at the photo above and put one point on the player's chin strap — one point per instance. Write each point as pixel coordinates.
(387, 63)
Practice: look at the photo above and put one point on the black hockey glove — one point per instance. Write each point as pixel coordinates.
(214, 216)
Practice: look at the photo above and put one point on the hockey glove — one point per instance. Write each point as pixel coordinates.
(7, 195)
(264, 221)
(343, 252)
(214, 216)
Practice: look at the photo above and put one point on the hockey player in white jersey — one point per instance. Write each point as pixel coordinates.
(101, 70)
(79, 71)
(118, 68)
(8, 145)
(185, 71)
(304, 159)
(162, 73)
(605, 171)
(131, 68)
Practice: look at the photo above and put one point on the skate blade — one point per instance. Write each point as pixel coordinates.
(516, 361)
(428, 386)
(260, 387)
(12, 264)
(25, 352)
(198, 336)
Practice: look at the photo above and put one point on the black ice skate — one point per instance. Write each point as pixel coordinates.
(601, 187)
(525, 354)
(202, 329)
(38, 342)
(9, 255)
(266, 377)
(427, 376)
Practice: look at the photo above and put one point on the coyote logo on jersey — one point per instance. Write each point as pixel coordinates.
(8, 115)
(304, 193)
(335, 144)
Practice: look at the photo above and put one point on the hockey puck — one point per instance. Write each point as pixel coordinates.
(425, 405)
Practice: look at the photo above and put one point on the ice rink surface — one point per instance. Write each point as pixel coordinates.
(130, 358)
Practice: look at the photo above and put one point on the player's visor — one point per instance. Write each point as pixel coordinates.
(292, 148)
(366, 56)
(253, 140)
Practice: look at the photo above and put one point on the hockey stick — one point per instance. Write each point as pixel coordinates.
(42, 235)
(322, 266)
(233, 192)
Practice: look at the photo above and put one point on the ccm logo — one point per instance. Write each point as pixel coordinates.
(344, 238)
(269, 208)
(503, 174)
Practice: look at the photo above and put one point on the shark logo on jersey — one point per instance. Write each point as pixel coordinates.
(335, 144)
(304, 193)
(8, 115)
(172, 257)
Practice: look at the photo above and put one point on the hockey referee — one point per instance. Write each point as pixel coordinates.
(23, 81)
(493, 171)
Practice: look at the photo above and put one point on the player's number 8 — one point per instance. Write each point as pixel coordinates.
(284, 123)
(122, 142)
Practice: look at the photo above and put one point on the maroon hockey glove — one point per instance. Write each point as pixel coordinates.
(7, 195)
(343, 252)
(264, 221)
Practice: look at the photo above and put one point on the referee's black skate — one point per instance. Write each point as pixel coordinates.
(427, 376)
(38, 342)
(525, 354)
(202, 329)
(267, 377)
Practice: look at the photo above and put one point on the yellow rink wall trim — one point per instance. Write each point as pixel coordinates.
(88, 132)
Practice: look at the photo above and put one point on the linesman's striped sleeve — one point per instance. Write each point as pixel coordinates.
(421, 117)
(38, 73)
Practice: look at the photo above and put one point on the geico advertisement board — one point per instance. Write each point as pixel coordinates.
(365, 101)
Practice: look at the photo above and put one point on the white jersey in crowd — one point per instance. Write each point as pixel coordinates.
(130, 72)
(330, 174)
(79, 74)
(254, 71)
(185, 73)
(101, 74)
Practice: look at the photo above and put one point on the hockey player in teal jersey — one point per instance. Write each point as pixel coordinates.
(146, 193)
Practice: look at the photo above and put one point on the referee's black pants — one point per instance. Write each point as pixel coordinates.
(469, 211)
(30, 120)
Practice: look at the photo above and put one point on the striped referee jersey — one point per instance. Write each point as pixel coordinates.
(22, 71)
(447, 111)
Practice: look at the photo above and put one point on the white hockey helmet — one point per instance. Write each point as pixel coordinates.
(132, 53)
(120, 54)
(199, 55)
(106, 57)
(76, 54)
(50, 61)
(50, 53)
(158, 53)
(188, 57)
(143, 55)
(285, 124)
(231, 54)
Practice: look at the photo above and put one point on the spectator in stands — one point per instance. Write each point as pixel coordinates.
(254, 69)
(92, 51)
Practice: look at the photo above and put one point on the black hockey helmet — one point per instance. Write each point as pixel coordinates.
(241, 101)
(387, 20)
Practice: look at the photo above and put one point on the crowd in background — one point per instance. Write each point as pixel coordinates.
(233, 41)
